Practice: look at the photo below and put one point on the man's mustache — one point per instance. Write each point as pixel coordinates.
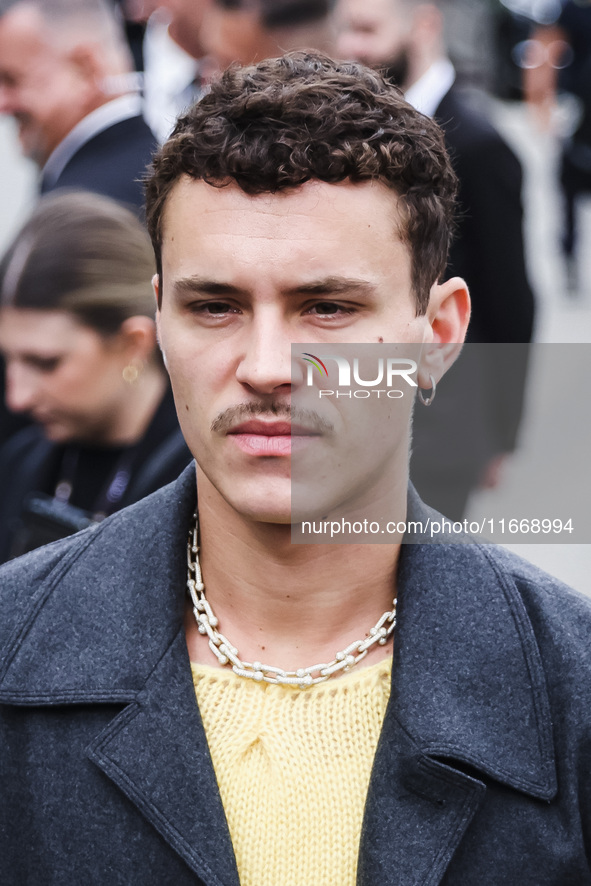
(306, 418)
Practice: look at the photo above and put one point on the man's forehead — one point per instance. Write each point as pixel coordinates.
(217, 194)
(368, 10)
(23, 21)
(192, 201)
(25, 37)
(312, 232)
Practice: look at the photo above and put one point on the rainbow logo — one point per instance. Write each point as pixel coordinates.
(316, 362)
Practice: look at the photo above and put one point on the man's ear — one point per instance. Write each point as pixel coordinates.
(156, 288)
(86, 59)
(448, 314)
(158, 295)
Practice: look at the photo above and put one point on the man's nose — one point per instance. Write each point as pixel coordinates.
(265, 363)
(21, 389)
(7, 105)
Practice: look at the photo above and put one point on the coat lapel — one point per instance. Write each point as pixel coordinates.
(416, 813)
(84, 640)
(156, 752)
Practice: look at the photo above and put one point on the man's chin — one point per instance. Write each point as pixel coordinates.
(268, 512)
(56, 433)
(271, 515)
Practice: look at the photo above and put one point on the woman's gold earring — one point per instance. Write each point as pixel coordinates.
(131, 373)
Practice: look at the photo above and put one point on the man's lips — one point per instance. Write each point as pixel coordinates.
(271, 428)
(256, 437)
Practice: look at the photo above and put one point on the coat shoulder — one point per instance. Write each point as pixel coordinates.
(534, 581)
(473, 139)
(463, 118)
(560, 616)
(21, 579)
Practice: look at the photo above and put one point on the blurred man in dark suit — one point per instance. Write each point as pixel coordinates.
(66, 77)
(405, 38)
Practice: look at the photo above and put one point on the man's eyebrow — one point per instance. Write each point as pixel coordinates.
(333, 285)
(197, 284)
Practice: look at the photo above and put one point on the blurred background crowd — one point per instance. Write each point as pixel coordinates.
(87, 90)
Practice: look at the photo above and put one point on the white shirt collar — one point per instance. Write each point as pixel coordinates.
(102, 118)
(426, 94)
(169, 75)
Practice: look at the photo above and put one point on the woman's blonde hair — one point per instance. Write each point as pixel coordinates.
(84, 254)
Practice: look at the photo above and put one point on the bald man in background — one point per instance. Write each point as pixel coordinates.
(405, 38)
(66, 77)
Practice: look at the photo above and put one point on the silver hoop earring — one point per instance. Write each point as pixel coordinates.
(426, 401)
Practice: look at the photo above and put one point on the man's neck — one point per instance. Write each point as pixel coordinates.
(420, 59)
(287, 605)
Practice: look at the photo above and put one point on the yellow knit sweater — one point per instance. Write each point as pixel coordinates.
(293, 769)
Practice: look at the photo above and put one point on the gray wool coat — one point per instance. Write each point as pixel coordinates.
(482, 773)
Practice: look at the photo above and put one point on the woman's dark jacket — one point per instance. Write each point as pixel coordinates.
(482, 775)
(30, 464)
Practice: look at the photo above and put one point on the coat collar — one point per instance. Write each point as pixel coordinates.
(468, 690)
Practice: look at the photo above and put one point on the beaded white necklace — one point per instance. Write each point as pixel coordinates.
(227, 654)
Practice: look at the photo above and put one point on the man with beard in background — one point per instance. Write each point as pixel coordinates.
(405, 39)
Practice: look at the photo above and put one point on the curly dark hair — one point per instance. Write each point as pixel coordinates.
(275, 125)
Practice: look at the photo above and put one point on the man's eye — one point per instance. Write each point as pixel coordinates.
(329, 309)
(45, 364)
(214, 308)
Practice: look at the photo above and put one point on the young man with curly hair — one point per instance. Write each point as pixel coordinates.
(153, 736)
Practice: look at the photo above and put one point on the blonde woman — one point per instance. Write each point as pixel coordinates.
(78, 337)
